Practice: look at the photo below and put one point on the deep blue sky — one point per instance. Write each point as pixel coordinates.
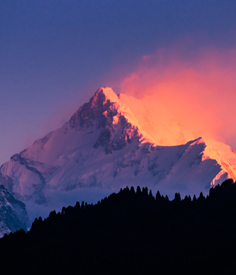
(55, 54)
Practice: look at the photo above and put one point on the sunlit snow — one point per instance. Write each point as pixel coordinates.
(108, 144)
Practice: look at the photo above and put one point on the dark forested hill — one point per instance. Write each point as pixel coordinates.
(132, 232)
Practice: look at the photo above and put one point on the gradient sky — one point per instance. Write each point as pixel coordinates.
(55, 54)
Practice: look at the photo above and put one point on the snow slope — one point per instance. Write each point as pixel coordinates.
(106, 145)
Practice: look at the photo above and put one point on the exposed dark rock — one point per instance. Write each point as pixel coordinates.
(13, 215)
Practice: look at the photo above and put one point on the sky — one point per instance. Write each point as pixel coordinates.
(55, 54)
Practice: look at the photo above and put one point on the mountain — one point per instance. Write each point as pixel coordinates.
(13, 215)
(105, 146)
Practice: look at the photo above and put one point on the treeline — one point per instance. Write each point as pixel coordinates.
(132, 232)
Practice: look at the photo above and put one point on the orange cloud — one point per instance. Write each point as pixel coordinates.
(194, 92)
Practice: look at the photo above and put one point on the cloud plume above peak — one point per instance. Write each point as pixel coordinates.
(193, 91)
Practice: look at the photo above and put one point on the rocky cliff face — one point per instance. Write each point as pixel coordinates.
(13, 215)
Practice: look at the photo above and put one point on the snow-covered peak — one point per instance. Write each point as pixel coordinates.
(106, 92)
(106, 144)
(93, 110)
(105, 109)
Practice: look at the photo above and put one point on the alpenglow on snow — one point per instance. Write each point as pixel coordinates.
(104, 147)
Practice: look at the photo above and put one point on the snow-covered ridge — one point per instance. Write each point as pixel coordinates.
(225, 157)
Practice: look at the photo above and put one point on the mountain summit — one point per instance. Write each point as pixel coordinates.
(104, 147)
(107, 112)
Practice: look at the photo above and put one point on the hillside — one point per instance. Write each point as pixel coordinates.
(131, 232)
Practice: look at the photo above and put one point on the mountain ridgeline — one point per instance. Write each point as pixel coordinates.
(131, 232)
(107, 145)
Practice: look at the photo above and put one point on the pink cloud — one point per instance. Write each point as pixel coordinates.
(196, 88)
